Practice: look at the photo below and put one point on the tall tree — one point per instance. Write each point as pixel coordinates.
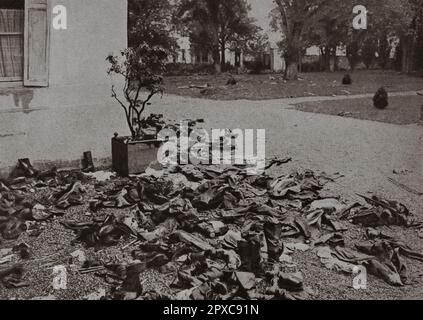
(392, 19)
(150, 22)
(368, 52)
(384, 49)
(216, 25)
(418, 54)
(411, 35)
(328, 24)
(332, 29)
(296, 20)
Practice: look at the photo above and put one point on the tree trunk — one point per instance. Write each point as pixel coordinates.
(335, 60)
(326, 56)
(292, 55)
(301, 60)
(383, 51)
(291, 70)
(223, 57)
(406, 55)
(352, 54)
(216, 61)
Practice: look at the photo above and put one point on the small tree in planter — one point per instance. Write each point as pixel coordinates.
(141, 69)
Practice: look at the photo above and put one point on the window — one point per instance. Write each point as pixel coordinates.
(184, 58)
(11, 40)
(24, 41)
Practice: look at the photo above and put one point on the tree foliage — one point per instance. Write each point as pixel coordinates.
(328, 24)
(296, 19)
(217, 25)
(141, 69)
(150, 22)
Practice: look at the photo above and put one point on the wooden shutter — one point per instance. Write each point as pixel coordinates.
(36, 46)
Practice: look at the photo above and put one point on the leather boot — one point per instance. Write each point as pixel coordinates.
(87, 162)
(272, 232)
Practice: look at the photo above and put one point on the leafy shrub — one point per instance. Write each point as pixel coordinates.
(141, 69)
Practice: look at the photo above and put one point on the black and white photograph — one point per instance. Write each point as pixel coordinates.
(231, 151)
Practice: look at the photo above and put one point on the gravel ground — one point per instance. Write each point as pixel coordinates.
(365, 152)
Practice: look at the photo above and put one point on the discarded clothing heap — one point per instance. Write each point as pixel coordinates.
(221, 233)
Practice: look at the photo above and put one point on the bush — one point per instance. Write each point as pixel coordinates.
(141, 68)
(380, 100)
(347, 80)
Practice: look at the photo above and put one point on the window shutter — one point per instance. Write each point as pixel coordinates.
(36, 46)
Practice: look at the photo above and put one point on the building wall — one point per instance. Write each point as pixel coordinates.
(95, 29)
(60, 122)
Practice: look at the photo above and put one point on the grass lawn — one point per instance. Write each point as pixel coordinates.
(272, 86)
(401, 110)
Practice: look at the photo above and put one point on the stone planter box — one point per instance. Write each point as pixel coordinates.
(133, 157)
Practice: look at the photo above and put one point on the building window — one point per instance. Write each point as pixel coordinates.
(184, 58)
(24, 42)
(12, 40)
